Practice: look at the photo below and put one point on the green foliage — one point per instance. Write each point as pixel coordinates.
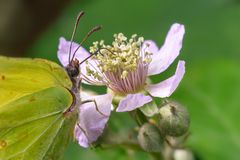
(211, 93)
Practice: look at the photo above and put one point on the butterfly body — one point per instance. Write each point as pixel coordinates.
(73, 71)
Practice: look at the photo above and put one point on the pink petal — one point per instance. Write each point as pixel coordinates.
(81, 54)
(167, 87)
(133, 101)
(63, 51)
(149, 46)
(91, 121)
(169, 51)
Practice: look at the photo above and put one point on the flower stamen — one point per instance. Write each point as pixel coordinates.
(122, 66)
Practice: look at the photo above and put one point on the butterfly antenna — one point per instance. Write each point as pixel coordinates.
(73, 33)
(93, 30)
(98, 51)
(95, 53)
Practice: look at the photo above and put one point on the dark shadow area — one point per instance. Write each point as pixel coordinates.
(21, 22)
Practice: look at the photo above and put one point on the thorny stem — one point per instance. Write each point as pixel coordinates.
(169, 146)
(131, 143)
(110, 141)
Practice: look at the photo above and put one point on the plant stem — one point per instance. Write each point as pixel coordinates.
(138, 117)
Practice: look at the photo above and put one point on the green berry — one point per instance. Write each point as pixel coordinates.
(150, 138)
(174, 119)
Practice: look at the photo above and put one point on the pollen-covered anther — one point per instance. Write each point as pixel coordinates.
(123, 63)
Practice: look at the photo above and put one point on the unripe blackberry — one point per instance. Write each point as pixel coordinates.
(174, 119)
(150, 139)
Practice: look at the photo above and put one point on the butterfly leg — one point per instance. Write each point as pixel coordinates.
(96, 106)
(85, 134)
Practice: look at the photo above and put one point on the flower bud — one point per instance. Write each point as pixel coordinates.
(150, 139)
(181, 154)
(174, 119)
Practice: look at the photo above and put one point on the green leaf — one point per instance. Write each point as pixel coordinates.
(210, 90)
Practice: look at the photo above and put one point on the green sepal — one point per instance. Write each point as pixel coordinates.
(150, 109)
(139, 117)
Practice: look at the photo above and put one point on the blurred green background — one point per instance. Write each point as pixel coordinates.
(211, 49)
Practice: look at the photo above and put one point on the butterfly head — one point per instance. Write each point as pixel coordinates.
(72, 68)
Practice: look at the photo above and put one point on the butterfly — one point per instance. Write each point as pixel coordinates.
(39, 106)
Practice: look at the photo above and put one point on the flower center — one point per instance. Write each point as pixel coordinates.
(122, 65)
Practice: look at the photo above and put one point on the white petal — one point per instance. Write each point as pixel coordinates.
(91, 121)
(169, 51)
(63, 51)
(149, 46)
(133, 101)
(167, 87)
(81, 54)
